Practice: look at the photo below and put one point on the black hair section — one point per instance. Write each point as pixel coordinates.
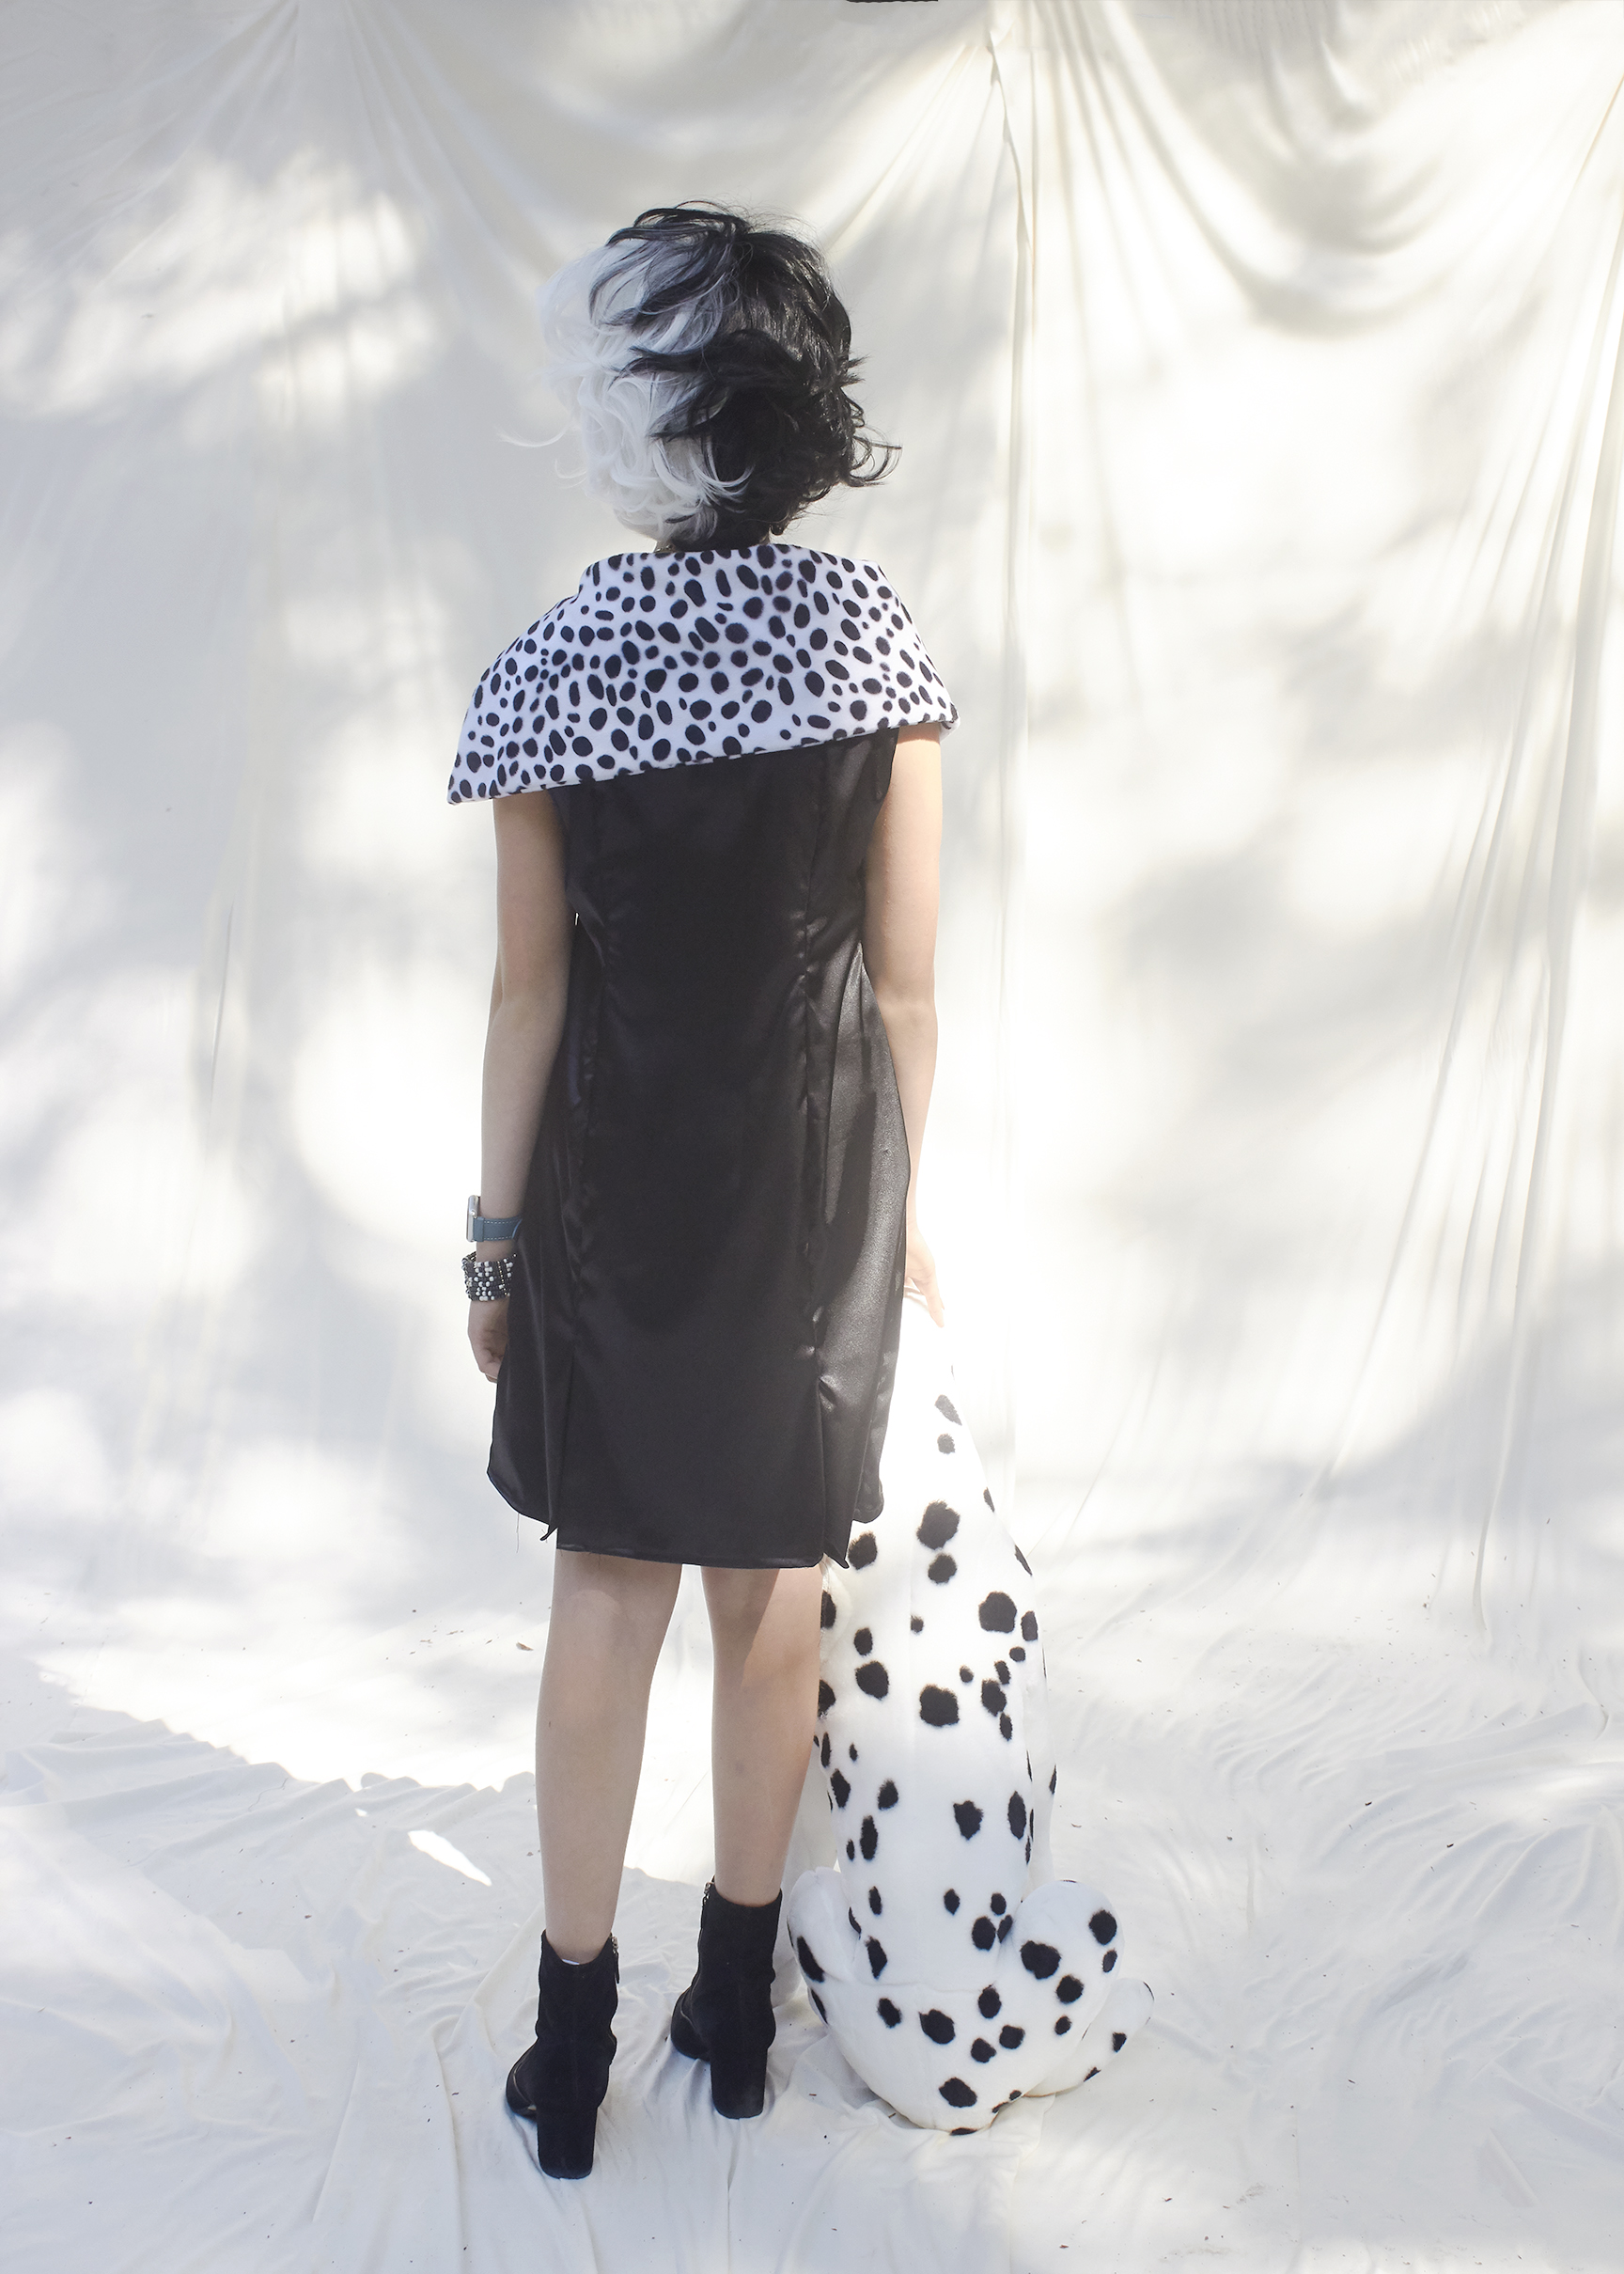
(767, 394)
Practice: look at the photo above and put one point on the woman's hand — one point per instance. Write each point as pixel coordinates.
(919, 1275)
(488, 1333)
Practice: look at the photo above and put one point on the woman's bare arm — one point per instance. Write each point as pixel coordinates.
(900, 948)
(527, 998)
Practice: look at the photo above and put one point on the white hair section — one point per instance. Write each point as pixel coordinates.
(654, 487)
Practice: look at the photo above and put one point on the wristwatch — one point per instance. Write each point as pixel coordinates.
(490, 1227)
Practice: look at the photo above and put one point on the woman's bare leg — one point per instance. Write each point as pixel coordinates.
(609, 1618)
(764, 1627)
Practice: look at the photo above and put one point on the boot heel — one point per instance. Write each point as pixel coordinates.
(564, 2136)
(565, 2140)
(739, 2087)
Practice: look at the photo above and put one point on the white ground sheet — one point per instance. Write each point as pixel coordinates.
(1257, 368)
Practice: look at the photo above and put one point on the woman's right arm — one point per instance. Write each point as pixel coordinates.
(899, 950)
(528, 995)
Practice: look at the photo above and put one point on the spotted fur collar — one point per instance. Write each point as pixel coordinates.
(659, 661)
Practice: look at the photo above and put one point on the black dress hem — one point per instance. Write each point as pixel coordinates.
(550, 1531)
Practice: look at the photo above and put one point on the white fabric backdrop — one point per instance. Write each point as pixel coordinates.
(1257, 364)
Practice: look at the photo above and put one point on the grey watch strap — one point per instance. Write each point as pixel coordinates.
(490, 1227)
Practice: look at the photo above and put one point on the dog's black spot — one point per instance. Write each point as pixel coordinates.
(851, 1922)
(937, 1525)
(876, 1956)
(839, 1787)
(983, 1934)
(945, 1407)
(874, 1903)
(937, 2026)
(997, 1615)
(872, 1679)
(887, 1795)
(1119, 2039)
(851, 1753)
(1004, 1925)
(863, 1551)
(957, 2093)
(826, 1617)
(1093, 2072)
(1017, 1816)
(988, 1498)
(1062, 2025)
(916, 1625)
(1068, 1989)
(941, 1569)
(1021, 1561)
(980, 2051)
(989, 2003)
(809, 1965)
(997, 1906)
(890, 2014)
(1010, 2036)
(825, 1698)
(992, 1697)
(950, 1900)
(1040, 1958)
(1006, 1728)
(1030, 1627)
(967, 1816)
(822, 2010)
(1054, 1779)
(1107, 1962)
(863, 1641)
(1002, 1672)
(943, 1443)
(1103, 1927)
(939, 1707)
(851, 1851)
(868, 1839)
(823, 1750)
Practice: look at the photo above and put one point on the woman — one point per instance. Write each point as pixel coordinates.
(716, 785)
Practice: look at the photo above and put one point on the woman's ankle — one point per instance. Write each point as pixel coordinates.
(573, 1950)
(753, 1901)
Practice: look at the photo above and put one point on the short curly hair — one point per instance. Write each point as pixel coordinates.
(706, 359)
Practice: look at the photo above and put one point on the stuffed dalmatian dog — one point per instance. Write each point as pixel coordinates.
(955, 1973)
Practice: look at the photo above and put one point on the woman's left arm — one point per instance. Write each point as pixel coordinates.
(534, 925)
(899, 950)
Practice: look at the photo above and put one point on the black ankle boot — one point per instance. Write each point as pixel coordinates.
(559, 2083)
(725, 2016)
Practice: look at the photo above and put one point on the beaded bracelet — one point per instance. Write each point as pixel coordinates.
(490, 1280)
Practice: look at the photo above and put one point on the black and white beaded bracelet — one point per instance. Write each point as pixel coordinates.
(490, 1280)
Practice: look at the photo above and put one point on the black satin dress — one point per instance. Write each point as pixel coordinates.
(703, 1327)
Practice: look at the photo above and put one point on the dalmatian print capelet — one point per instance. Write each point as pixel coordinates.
(661, 661)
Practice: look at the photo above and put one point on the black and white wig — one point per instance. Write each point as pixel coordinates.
(706, 361)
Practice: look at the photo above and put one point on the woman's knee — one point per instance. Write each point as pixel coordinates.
(777, 1608)
(617, 1599)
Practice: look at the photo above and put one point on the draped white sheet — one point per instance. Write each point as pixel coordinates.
(1257, 368)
